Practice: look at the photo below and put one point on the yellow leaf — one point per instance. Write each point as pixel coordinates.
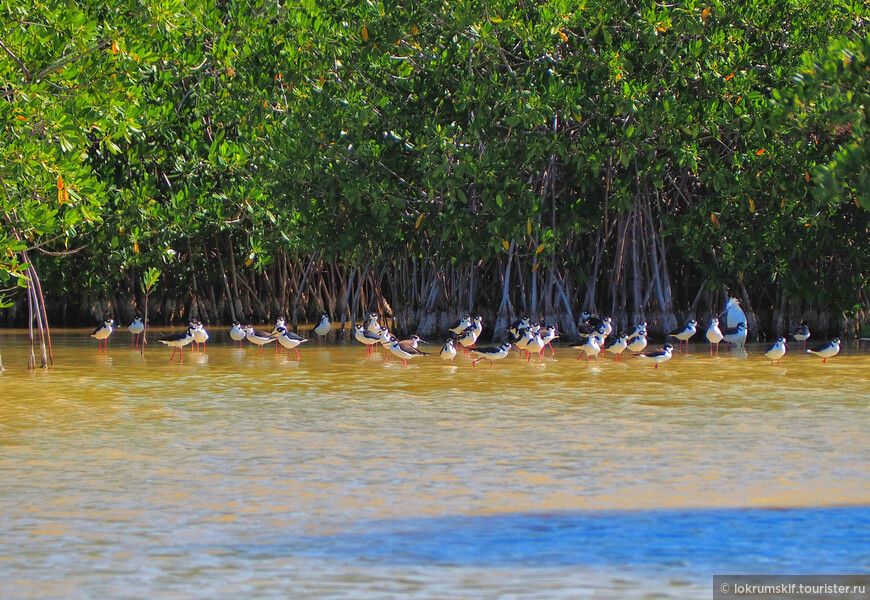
(529, 226)
(365, 33)
(715, 219)
(705, 13)
(114, 47)
(506, 244)
(539, 249)
(760, 152)
(751, 205)
(249, 262)
(136, 247)
(21, 117)
(535, 268)
(414, 30)
(563, 36)
(807, 176)
(59, 183)
(496, 19)
(419, 220)
(66, 196)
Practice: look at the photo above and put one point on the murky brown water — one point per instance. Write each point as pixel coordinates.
(340, 475)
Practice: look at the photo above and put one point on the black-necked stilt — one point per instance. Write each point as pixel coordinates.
(102, 333)
(617, 346)
(658, 356)
(237, 334)
(259, 337)
(367, 337)
(777, 351)
(373, 326)
(637, 329)
(587, 324)
(477, 326)
(517, 327)
(591, 348)
(178, 341)
(801, 334)
(136, 328)
(280, 323)
(448, 352)
(733, 314)
(549, 336)
(290, 340)
(714, 335)
(463, 324)
(491, 353)
(830, 349)
(200, 335)
(735, 336)
(638, 342)
(607, 325)
(324, 327)
(535, 346)
(685, 334)
(405, 352)
(526, 337)
(412, 343)
(468, 338)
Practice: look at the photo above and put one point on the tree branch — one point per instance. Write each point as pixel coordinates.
(16, 59)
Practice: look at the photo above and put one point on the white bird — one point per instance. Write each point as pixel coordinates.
(280, 323)
(373, 326)
(258, 337)
(367, 337)
(535, 346)
(517, 327)
(290, 340)
(492, 353)
(637, 329)
(237, 334)
(618, 346)
(178, 341)
(404, 352)
(592, 347)
(200, 335)
(526, 337)
(733, 314)
(464, 323)
(448, 352)
(777, 351)
(638, 342)
(714, 335)
(102, 333)
(735, 335)
(658, 356)
(685, 334)
(549, 336)
(468, 338)
(324, 327)
(607, 324)
(830, 349)
(801, 334)
(136, 328)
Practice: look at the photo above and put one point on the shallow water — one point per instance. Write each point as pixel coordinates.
(340, 475)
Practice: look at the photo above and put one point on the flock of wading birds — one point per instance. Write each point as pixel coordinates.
(597, 333)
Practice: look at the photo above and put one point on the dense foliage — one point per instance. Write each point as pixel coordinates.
(426, 158)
